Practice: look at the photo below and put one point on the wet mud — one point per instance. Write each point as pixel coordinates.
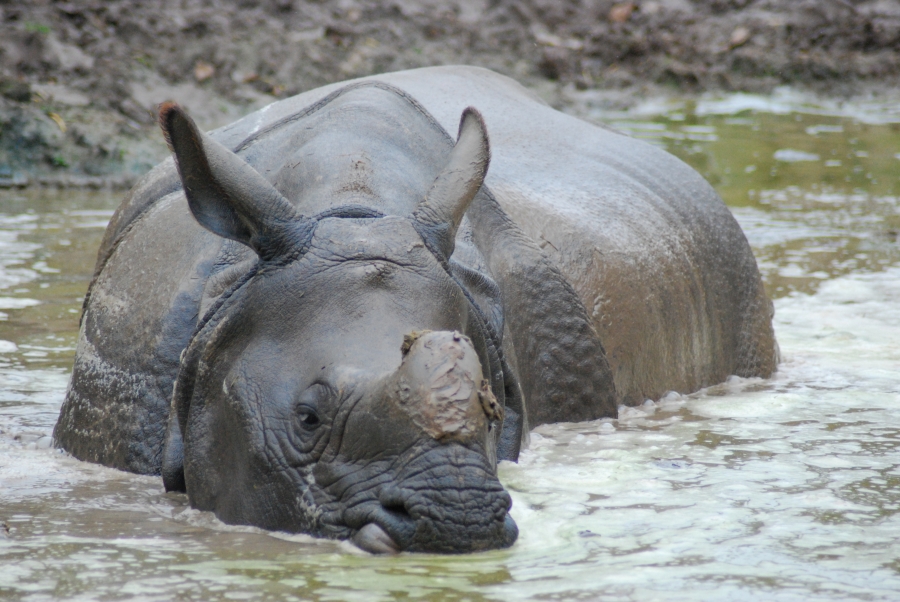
(80, 80)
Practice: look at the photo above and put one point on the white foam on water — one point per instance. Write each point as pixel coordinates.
(17, 302)
(791, 155)
(782, 101)
(783, 489)
(749, 489)
(786, 100)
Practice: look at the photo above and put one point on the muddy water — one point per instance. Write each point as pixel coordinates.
(785, 489)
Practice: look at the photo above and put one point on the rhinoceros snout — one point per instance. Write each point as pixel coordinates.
(433, 487)
(446, 501)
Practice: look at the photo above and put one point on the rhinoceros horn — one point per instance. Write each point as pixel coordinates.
(443, 207)
(226, 195)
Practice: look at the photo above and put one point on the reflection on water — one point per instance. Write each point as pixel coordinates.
(784, 489)
(816, 192)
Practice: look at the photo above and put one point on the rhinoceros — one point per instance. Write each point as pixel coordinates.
(331, 317)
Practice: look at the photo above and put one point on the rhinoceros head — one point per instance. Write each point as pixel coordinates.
(342, 386)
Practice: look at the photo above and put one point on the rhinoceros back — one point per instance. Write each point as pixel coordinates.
(657, 260)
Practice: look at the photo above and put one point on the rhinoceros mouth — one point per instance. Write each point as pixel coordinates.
(392, 533)
(380, 530)
(396, 522)
(446, 499)
(375, 540)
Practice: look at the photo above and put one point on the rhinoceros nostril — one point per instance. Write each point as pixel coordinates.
(397, 509)
(393, 500)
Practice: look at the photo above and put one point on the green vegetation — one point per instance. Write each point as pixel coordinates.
(32, 27)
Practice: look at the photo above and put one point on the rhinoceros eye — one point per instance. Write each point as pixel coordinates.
(309, 418)
(308, 406)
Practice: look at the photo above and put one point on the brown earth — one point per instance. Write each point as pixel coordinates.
(79, 80)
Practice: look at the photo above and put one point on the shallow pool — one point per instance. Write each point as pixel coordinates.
(783, 489)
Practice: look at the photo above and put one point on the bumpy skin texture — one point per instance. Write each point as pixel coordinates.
(297, 403)
(661, 267)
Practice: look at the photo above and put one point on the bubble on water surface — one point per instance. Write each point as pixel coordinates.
(790, 155)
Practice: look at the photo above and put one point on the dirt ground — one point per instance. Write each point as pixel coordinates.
(80, 80)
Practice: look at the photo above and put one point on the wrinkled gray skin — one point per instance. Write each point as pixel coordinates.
(357, 374)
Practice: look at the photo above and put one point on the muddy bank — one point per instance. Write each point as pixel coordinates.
(79, 81)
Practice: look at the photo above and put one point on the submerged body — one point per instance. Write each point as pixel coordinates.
(358, 322)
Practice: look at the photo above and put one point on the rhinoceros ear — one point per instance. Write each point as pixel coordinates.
(226, 195)
(442, 209)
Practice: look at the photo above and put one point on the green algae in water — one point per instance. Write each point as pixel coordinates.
(51, 240)
(817, 195)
